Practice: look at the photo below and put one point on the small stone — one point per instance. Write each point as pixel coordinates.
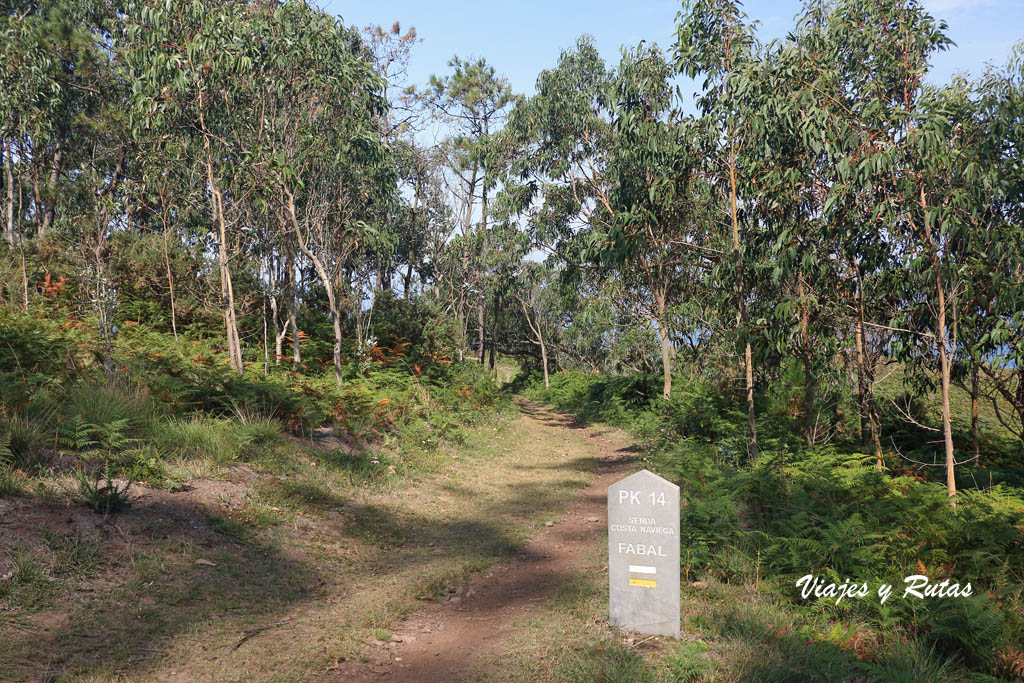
(593, 519)
(549, 523)
(398, 659)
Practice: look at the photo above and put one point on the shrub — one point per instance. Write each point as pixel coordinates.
(101, 493)
(421, 325)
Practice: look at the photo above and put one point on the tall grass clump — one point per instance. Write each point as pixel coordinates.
(220, 441)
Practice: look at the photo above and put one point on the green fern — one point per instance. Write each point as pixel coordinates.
(971, 627)
(77, 435)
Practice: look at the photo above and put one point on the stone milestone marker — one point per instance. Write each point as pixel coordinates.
(643, 554)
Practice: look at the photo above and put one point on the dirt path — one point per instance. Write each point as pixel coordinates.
(444, 642)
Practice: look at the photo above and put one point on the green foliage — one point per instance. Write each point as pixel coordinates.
(9, 484)
(823, 510)
(6, 455)
(687, 661)
(182, 180)
(29, 583)
(28, 442)
(186, 405)
(611, 661)
(218, 440)
(915, 661)
(972, 627)
(102, 494)
(417, 324)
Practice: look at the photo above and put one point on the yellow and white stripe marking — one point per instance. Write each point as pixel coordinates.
(646, 580)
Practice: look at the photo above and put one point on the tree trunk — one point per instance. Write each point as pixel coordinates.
(861, 380)
(866, 379)
(666, 362)
(810, 386)
(21, 248)
(481, 263)
(293, 308)
(51, 186)
(410, 253)
(494, 330)
(944, 361)
(9, 204)
(666, 347)
(975, 390)
(328, 284)
(544, 362)
(944, 351)
(266, 344)
(741, 312)
(467, 231)
(480, 330)
(170, 285)
(226, 290)
(24, 280)
(540, 341)
(280, 331)
(407, 280)
(293, 324)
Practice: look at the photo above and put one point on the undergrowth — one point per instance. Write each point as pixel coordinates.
(174, 406)
(825, 510)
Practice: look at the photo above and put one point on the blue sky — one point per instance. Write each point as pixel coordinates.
(521, 38)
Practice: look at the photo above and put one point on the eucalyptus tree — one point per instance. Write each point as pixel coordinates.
(611, 159)
(990, 113)
(415, 173)
(27, 92)
(657, 235)
(904, 161)
(715, 41)
(54, 85)
(533, 296)
(560, 179)
(189, 67)
(316, 153)
(855, 266)
(803, 288)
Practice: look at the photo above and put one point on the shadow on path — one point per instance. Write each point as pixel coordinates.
(444, 642)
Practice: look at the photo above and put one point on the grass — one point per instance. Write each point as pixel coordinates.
(729, 633)
(10, 484)
(335, 548)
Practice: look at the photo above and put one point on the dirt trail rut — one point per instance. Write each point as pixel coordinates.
(444, 642)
